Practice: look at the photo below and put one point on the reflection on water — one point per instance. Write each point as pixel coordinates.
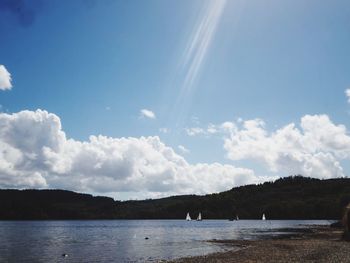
(125, 240)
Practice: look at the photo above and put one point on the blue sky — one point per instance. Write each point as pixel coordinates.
(97, 64)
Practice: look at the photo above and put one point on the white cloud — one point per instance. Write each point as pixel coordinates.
(5, 79)
(183, 149)
(229, 126)
(35, 152)
(347, 93)
(164, 130)
(315, 149)
(195, 131)
(212, 129)
(144, 113)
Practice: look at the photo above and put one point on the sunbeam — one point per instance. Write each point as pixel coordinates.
(194, 56)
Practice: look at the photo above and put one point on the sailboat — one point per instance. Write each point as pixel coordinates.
(188, 218)
(199, 218)
(263, 217)
(234, 218)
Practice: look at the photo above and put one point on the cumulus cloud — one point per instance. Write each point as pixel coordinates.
(347, 93)
(5, 79)
(315, 149)
(144, 113)
(35, 152)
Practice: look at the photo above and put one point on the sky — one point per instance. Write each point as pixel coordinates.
(145, 99)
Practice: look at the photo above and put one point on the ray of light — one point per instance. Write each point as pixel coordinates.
(200, 42)
(194, 55)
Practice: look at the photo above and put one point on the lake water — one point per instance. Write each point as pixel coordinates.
(124, 240)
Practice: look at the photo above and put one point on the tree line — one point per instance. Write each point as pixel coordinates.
(293, 197)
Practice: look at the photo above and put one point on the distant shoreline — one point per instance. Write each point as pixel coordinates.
(316, 244)
(154, 219)
(295, 198)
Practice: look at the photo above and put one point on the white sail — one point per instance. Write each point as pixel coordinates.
(263, 217)
(199, 218)
(188, 218)
(237, 218)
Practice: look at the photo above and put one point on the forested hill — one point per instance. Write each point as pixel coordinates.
(288, 198)
(54, 204)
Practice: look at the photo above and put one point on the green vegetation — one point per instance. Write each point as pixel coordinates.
(293, 197)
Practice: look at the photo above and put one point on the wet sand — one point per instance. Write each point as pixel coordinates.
(315, 244)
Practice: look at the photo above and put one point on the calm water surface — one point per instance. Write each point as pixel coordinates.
(124, 240)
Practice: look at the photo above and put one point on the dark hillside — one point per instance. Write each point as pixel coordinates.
(53, 204)
(287, 198)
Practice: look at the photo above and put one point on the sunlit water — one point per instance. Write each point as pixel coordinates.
(124, 240)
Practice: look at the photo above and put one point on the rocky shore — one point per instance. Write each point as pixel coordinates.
(317, 244)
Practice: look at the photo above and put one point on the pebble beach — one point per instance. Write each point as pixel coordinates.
(317, 244)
